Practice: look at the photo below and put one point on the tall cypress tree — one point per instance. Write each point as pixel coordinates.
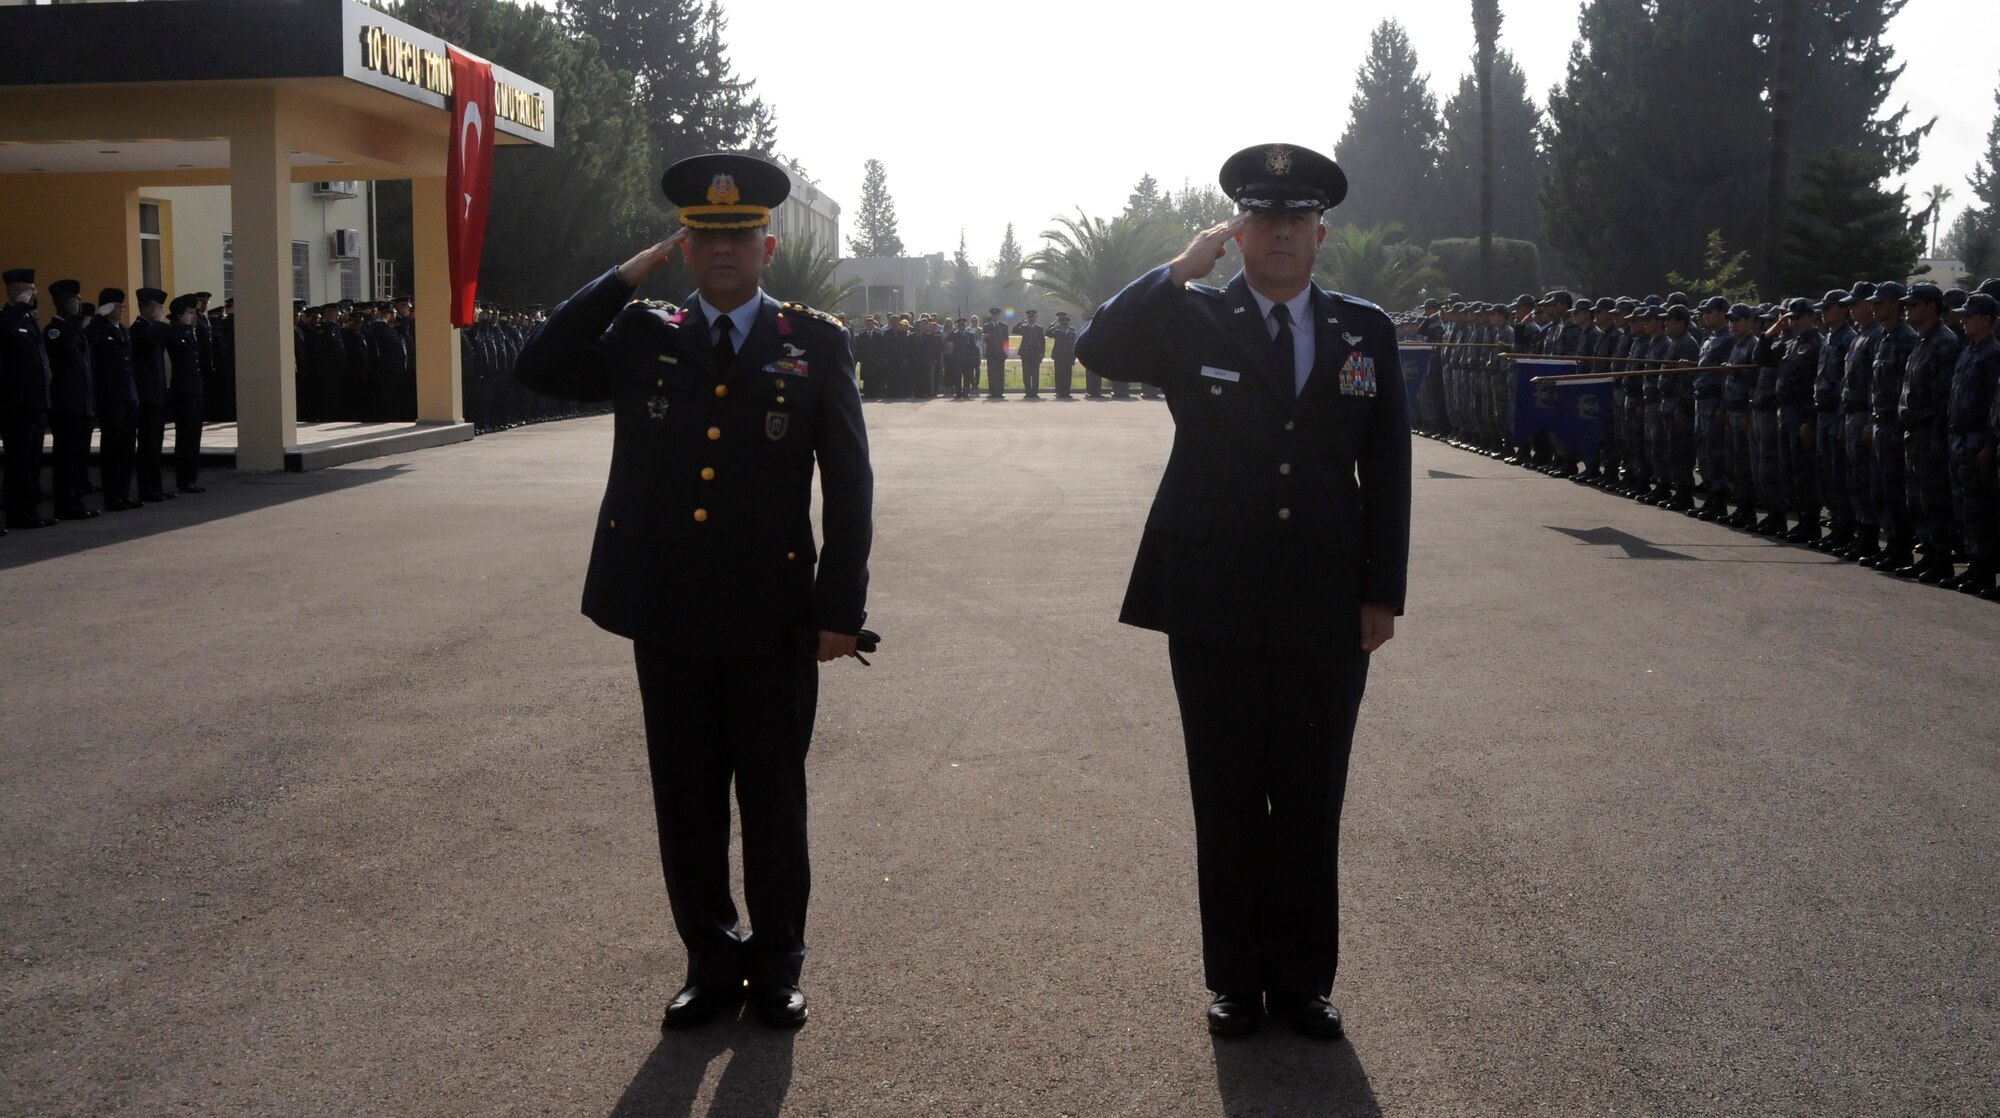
(876, 219)
(1845, 226)
(1007, 284)
(1389, 151)
(1518, 165)
(1985, 177)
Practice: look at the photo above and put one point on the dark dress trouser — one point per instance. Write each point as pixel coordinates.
(709, 720)
(187, 438)
(1268, 738)
(149, 458)
(72, 458)
(21, 434)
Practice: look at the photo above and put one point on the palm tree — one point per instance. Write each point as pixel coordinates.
(802, 272)
(1086, 260)
(1935, 198)
(1376, 265)
(1486, 29)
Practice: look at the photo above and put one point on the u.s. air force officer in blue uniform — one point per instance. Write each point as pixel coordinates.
(1274, 560)
(704, 557)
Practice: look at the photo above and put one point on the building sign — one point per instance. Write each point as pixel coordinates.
(430, 70)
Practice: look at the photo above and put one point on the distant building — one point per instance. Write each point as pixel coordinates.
(810, 213)
(889, 284)
(1946, 273)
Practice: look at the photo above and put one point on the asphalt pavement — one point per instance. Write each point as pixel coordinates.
(318, 796)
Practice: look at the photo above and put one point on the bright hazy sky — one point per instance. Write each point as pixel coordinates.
(990, 113)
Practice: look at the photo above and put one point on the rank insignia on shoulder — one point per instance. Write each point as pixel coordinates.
(809, 312)
(654, 305)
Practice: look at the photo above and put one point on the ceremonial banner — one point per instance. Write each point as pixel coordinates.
(468, 179)
(1572, 413)
(1416, 361)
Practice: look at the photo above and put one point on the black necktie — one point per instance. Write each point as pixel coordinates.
(1284, 360)
(725, 348)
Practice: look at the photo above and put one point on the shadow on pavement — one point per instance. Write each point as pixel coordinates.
(1633, 546)
(229, 494)
(1275, 1074)
(754, 1082)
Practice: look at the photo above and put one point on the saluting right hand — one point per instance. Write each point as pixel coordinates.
(635, 270)
(1199, 258)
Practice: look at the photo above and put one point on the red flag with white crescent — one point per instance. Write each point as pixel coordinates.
(468, 178)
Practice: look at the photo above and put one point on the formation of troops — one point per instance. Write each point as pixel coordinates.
(1861, 423)
(899, 357)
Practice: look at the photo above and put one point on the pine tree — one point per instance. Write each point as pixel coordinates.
(1145, 199)
(1845, 226)
(964, 278)
(1007, 270)
(679, 62)
(1192, 209)
(1844, 81)
(876, 220)
(1486, 33)
(1517, 158)
(1985, 177)
(1389, 151)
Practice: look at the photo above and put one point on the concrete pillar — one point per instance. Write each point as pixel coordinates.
(260, 201)
(440, 392)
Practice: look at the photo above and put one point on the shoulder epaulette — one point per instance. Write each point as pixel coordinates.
(810, 312)
(654, 304)
(1204, 289)
(1356, 300)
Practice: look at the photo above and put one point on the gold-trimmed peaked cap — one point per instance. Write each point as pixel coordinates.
(1282, 178)
(725, 190)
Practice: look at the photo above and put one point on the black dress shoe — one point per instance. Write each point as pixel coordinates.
(32, 522)
(1309, 1016)
(121, 506)
(76, 514)
(1235, 1014)
(698, 1005)
(190, 489)
(155, 498)
(778, 1006)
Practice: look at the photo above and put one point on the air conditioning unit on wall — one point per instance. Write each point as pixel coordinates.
(342, 189)
(346, 244)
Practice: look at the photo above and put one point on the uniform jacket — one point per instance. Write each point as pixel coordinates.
(1972, 387)
(1033, 342)
(1892, 355)
(70, 390)
(1275, 519)
(24, 362)
(996, 338)
(1062, 344)
(1832, 368)
(1855, 385)
(184, 360)
(149, 361)
(1793, 363)
(1927, 380)
(111, 372)
(704, 537)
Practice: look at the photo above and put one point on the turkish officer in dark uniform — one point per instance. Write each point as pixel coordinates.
(1062, 354)
(1033, 345)
(1273, 558)
(704, 557)
(995, 330)
(149, 375)
(72, 410)
(117, 398)
(24, 400)
(187, 367)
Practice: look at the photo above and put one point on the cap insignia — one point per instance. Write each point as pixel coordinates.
(1278, 159)
(723, 192)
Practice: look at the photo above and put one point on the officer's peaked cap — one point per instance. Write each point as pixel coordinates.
(1282, 178)
(725, 190)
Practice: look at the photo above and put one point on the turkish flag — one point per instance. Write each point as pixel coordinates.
(468, 178)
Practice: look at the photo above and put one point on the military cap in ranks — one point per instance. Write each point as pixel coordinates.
(1862, 291)
(725, 190)
(182, 303)
(1798, 308)
(1651, 300)
(1954, 298)
(1626, 304)
(1979, 302)
(1606, 305)
(1679, 299)
(1988, 287)
(1767, 313)
(229, 302)
(1889, 292)
(110, 295)
(1924, 293)
(1834, 298)
(1432, 304)
(1524, 300)
(63, 289)
(1679, 310)
(19, 275)
(1714, 303)
(204, 294)
(1742, 310)
(1454, 295)
(1283, 178)
(149, 295)
(1558, 296)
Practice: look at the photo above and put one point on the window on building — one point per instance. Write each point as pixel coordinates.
(350, 279)
(229, 265)
(302, 271)
(149, 243)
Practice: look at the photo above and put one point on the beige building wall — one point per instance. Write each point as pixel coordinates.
(201, 219)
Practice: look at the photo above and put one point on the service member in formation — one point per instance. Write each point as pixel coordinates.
(1033, 345)
(1062, 354)
(995, 330)
(24, 400)
(72, 407)
(1274, 560)
(149, 375)
(187, 368)
(117, 398)
(704, 557)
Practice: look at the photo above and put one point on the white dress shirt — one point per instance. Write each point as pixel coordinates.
(742, 318)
